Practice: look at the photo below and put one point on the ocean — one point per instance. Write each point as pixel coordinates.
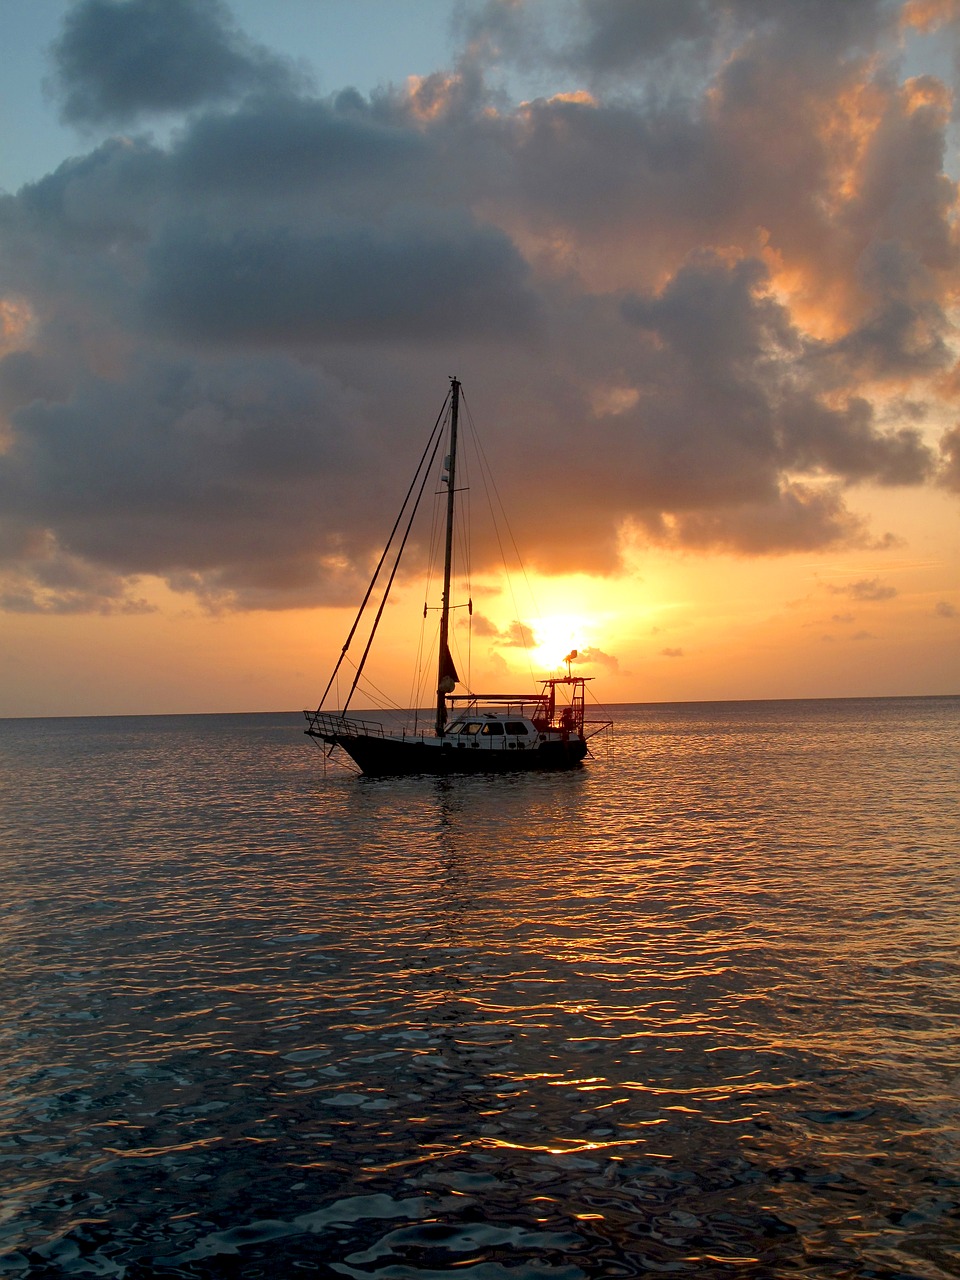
(692, 1009)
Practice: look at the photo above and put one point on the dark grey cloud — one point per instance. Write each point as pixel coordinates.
(795, 518)
(430, 278)
(621, 38)
(904, 331)
(51, 582)
(89, 203)
(739, 383)
(598, 36)
(222, 471)
(702, 305)
(288, 143)
(616, 36)
(117, 60)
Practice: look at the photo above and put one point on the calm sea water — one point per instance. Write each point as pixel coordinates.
(694, 1009)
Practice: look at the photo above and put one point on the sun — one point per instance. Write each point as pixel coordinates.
(555, 637)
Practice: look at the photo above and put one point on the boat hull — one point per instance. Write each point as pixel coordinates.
(384, 757)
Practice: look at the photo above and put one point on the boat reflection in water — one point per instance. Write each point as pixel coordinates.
(488, 733)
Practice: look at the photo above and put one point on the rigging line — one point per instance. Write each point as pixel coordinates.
(386, 703)
(513, 542)
(416, 675)
(430, 655)
(417, 690)
(423, 664)
(467, 528)
(396, 563)
(466, 518)
(486, 476)
(376, 572)
(462, 536)
(464, 530)
(467, 549)
(434, 544)
(601, 707)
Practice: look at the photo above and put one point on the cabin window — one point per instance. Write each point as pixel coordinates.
(472, 726)
(516, 726)
(492, 728)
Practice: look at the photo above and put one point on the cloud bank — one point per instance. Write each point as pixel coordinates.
(117, 61)
(701, 293)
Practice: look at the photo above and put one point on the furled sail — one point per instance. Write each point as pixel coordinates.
(448, 672)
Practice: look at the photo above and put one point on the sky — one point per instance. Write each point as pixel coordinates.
(696, 263)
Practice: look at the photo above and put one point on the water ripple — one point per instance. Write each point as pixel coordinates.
(693, 1009)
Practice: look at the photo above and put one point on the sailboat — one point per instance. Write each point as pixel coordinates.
(471, 733)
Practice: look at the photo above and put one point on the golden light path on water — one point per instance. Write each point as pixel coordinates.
(694, 1008)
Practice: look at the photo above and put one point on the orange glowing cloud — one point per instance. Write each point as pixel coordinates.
(845, 125)
(428, 97)
(17, 324)
(580, 96)
(928, 16)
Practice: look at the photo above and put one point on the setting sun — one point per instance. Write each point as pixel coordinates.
(556, 636)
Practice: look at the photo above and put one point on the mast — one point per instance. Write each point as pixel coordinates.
(446, 672)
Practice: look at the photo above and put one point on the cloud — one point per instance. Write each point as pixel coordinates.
(671, 653)
(797, 518)
(406, 283)
(619, 36)
(119, 59)
(222, 470)
(593, 656)
(514, 636)
(950, 450)
(697, 289)
(620, 39)
(866, 589)
(944, 609)
(295, 145)
(482, 626)
(52, 581)
(736, 363)
(517, 636)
